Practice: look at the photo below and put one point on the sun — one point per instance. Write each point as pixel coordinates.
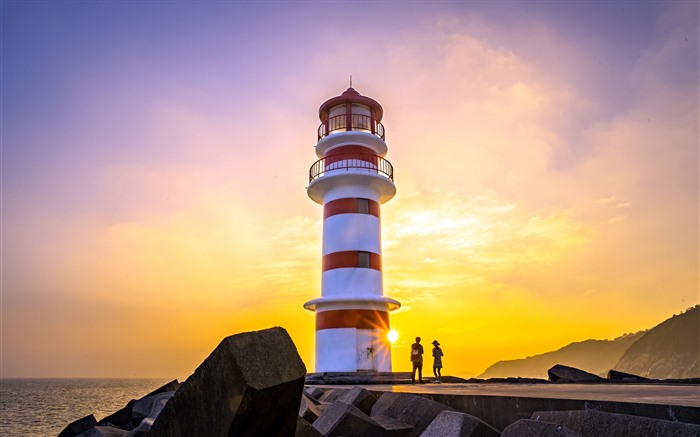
(392, 336)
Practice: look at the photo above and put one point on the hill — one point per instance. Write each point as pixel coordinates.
(594, 356)
(669, 350)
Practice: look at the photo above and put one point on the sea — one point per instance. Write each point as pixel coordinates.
(44, 407)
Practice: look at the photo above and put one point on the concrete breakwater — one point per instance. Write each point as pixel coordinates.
(255, 384)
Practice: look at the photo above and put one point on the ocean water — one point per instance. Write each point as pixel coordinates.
(44, 407)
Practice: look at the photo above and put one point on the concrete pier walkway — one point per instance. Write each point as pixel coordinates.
(501, 404)
(685, 395)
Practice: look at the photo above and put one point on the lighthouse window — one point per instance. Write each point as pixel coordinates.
(363, 259)
(363, 206)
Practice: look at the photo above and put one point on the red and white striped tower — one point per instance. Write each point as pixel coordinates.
(351, 179)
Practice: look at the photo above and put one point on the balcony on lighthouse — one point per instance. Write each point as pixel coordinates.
(359, 118)
(351, 144)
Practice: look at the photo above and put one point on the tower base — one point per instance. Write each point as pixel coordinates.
(352, 350)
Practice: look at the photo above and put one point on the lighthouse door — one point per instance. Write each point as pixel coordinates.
(365, 352)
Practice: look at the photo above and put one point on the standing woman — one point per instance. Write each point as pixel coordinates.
(437, 361)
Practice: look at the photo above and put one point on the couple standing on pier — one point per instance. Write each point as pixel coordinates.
(417, 360)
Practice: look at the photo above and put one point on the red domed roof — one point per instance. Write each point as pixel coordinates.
(352, 96)
(350, 92)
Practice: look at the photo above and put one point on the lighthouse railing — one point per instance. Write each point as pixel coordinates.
(348, 122)
(351, 161)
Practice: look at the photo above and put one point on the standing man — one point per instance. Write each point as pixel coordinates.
(417, 360)
(437, 361)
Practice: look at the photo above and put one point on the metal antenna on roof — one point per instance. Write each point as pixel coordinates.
(351, 81)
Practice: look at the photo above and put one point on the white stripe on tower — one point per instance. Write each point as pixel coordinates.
(351, 232)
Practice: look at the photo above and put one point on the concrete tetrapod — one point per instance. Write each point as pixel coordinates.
(343, 419)
(455, 424)
(593, 423)
(560, 373)
(410, 409)
(250, 385)
(534, 428)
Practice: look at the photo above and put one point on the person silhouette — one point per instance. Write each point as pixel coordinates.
(437, 361)
(417, 360)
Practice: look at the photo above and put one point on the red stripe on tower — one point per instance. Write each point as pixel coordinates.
(361, 319)
(351, 205)
(352, 258)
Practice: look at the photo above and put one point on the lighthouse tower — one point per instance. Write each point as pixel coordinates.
(351, 180)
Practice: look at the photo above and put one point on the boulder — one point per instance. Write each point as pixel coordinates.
(413, 410)
(534, 428)
(79, 426)
(615, 375)
(455, 424)
(565, 374)
(343, 419)
(250, 385)
(590, 423)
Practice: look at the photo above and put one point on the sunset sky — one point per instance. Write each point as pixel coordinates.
(155, 157)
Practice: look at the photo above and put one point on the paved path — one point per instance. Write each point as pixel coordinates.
(685, 395)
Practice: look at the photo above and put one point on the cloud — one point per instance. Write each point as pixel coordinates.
(472, 243)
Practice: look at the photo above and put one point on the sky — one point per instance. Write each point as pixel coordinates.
(155, 156)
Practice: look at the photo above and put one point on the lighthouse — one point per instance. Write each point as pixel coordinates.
(351, 180)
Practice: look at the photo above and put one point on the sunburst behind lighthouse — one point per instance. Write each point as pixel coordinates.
(351, 180)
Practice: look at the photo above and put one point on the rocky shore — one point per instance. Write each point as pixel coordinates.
(255, 384)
